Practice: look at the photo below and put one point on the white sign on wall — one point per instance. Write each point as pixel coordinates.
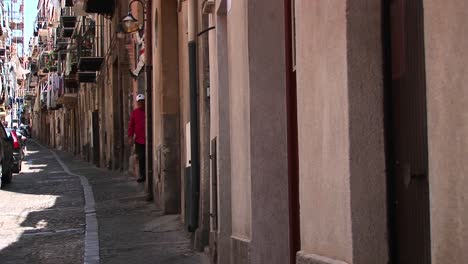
(188, 148)
(228, 5)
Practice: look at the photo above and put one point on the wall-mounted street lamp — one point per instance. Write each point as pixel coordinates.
(129, 22)
(120, 31)
(129, 25)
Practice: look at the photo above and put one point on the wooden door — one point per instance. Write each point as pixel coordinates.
(409, 183)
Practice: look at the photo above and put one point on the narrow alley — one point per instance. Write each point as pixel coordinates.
(43, 218)
(233, 131)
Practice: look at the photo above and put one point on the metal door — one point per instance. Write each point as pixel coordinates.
(409, 193)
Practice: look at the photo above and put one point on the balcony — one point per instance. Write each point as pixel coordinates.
(71, 84)
(100, 7)
(61, 44)
(68, 17)
(87, 77)
(68, 21)
(68, 100)
(90, 63)
(29, 94)
(90, 46)
(33, 82)
(18, 39)
(17, 25)
(66, 32)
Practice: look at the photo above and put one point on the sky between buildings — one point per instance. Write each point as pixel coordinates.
(30, 12)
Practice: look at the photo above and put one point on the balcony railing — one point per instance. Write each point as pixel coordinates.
(100, 6)
(47, 62)
(68, 22)
(68, 17)
(90, 39)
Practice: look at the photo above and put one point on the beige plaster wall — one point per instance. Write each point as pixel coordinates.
(323, 128)
(366, 131)
(268, 132)
(341, 139)
(240, 120)
(446, 42)
(157, 97)
(184, 94)
(219, 100)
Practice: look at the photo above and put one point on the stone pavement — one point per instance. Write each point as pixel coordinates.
(42, 218)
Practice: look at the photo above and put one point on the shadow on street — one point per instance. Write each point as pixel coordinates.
(41, 213)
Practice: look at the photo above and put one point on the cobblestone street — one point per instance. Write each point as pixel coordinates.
(44, 217)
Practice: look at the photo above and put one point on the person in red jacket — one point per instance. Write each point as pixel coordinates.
(137, 128)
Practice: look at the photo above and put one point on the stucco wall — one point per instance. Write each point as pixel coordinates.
(184, 103)
(219, 94)
(166, 106)
(366, 132)
(341, 140)
(446, 44)
(323, 128)
(268, 132)
(240, 119)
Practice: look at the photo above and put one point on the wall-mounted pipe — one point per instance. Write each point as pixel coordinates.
(149, 99)
(193, 194)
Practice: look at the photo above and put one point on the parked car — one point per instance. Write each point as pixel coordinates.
(25, 130)
(22, 137)
(6, 157)
(18, 143)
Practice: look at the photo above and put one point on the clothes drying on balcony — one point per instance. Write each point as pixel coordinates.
(54, 90)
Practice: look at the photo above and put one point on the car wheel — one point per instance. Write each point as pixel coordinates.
(7, 176)
(16, 168)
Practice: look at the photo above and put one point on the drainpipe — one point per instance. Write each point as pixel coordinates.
(194, 186)
(149, 99)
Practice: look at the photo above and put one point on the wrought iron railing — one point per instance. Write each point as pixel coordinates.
(90, 39)
(68, 11)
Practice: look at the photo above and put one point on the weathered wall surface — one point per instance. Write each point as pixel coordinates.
(240, 119)
(323, 129)
(341, 140)
(366, 132)
(184, 104)
(166, 139)
(447, 75)
(219, 95)
(268, 132)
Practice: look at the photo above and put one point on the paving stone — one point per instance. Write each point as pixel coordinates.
(46, 216)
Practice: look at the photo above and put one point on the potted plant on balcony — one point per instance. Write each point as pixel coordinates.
(53, 55)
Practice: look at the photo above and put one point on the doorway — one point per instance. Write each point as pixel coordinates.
(292, 124)
(406, 129)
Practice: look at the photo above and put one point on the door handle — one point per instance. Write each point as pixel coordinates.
(408, 175)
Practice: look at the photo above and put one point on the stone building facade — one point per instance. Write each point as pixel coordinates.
(290, 131)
